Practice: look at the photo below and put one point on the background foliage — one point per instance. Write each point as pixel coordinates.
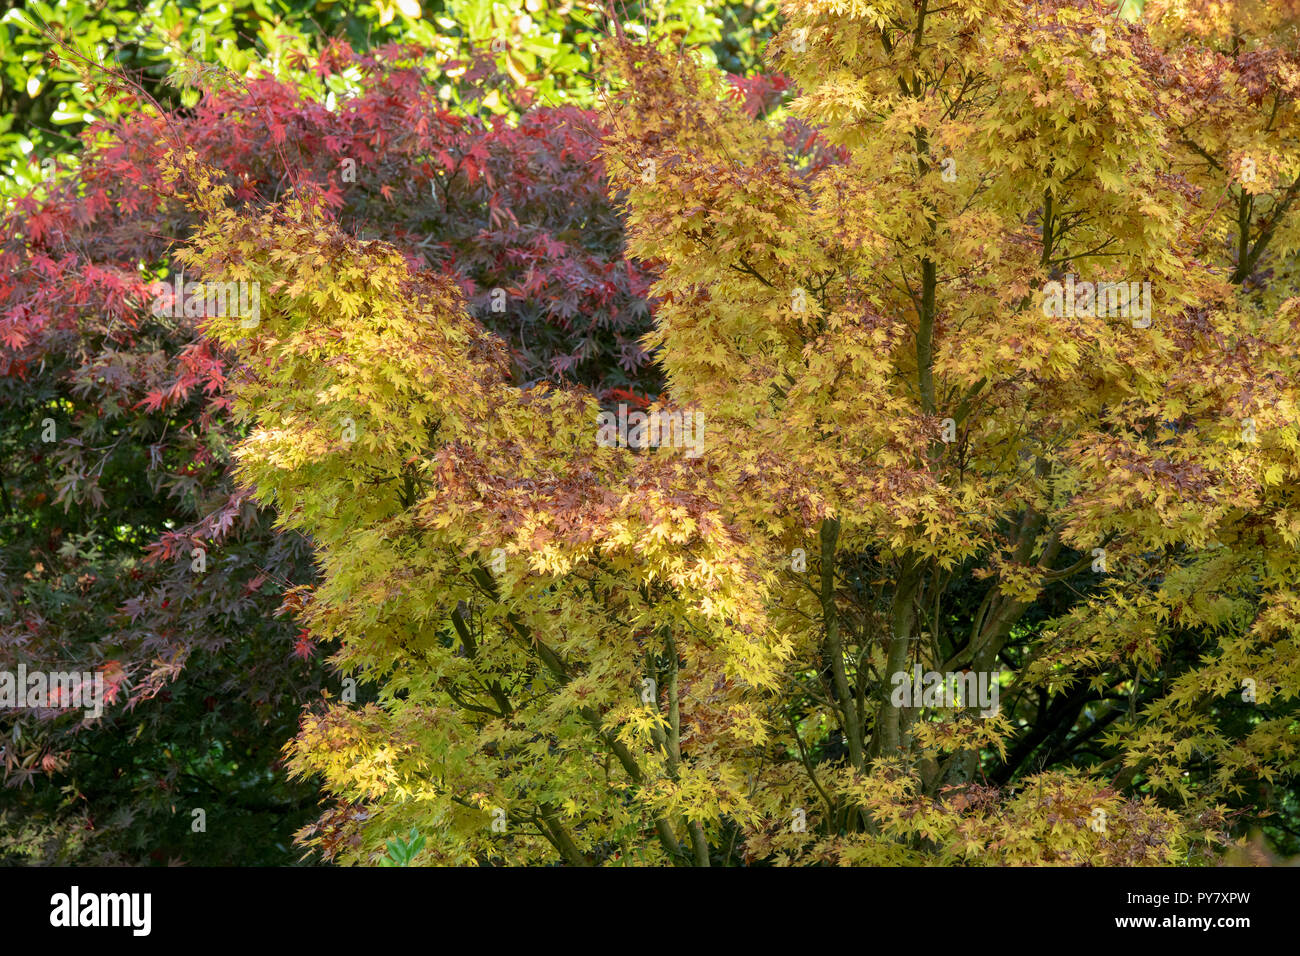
(542, 47)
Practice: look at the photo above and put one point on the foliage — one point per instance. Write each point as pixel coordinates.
(402, 852)
(589, 652)
(1100, 519)
(100, 526)
(544, 52)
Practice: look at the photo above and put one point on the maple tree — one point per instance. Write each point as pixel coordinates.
(916, 460)
(543, 50)
(101, 524)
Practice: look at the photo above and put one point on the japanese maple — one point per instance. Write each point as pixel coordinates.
(126, 545)
(921, 458)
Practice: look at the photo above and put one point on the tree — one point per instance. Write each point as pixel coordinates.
(543, 54)
(988, 552)
(124, 545)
